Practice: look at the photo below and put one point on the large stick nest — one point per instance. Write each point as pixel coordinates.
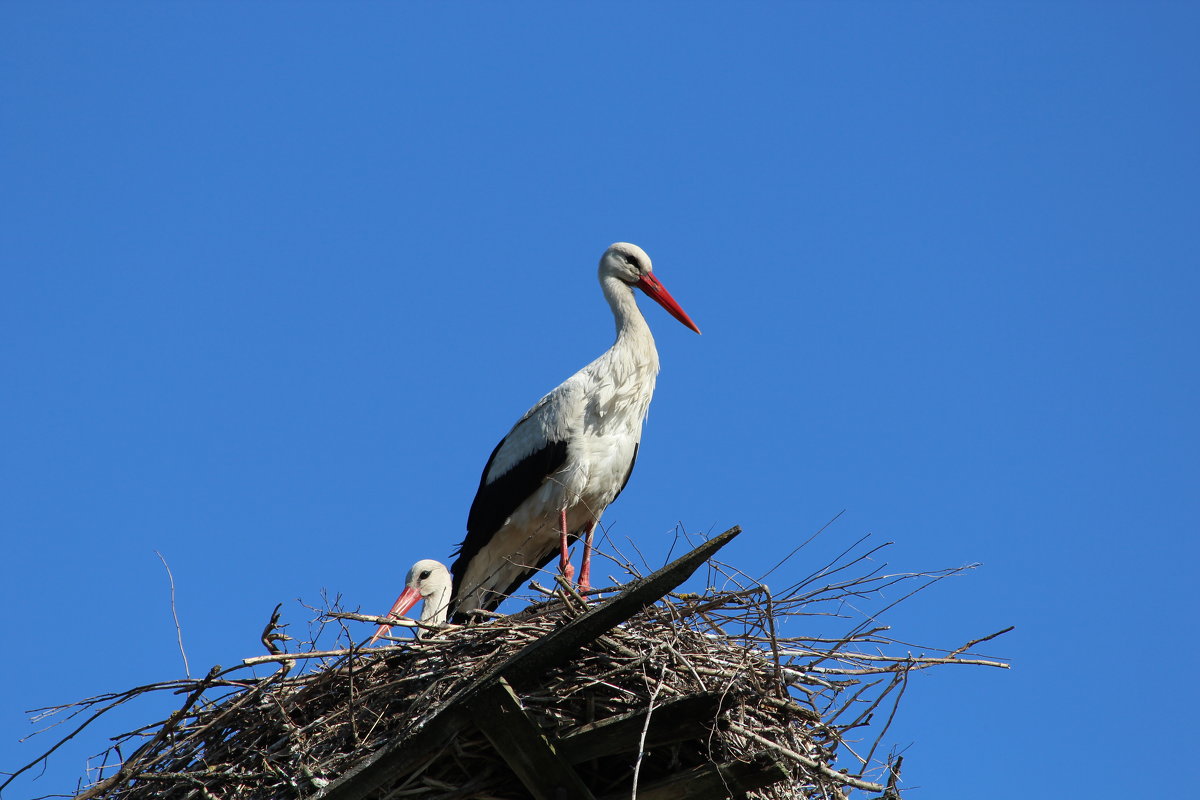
(806, 701)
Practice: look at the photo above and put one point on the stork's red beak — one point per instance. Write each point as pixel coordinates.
(654, 288)
(407, 599)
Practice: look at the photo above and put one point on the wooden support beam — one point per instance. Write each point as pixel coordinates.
(498, 713)
(676, 720)
(394, 761)
(713, 781)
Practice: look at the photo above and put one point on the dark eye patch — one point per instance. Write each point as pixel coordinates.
(424, 574)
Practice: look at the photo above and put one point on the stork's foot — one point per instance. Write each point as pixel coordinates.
(585, 569)
(585, 574)
(564, 561)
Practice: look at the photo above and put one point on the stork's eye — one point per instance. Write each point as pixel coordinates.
(423, 575)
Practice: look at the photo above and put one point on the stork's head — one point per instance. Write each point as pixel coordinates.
(427, 580)
(630, 264)
(626, 261)
(426, 577)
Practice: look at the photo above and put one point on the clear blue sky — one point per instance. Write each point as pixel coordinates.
(277, 278)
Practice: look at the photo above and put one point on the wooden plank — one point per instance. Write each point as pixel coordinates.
(498, 713)
(677, 720)
(714, 781)
(394, 761)
(522, 669)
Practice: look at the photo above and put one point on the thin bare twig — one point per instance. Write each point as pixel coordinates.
(175, 614)
(641, 752)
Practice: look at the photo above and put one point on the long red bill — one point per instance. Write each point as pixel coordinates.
(654, 289)
(407, 599)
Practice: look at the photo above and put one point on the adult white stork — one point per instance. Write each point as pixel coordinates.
(427, 580)
(552, 476)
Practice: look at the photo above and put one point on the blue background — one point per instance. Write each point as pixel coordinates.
(277, 277)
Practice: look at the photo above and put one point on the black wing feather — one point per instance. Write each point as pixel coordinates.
(495, 502)
(496, 598)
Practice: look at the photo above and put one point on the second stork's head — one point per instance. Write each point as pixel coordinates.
(427, 581)
(629, 264)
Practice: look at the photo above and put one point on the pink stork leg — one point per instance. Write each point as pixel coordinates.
(585, 569)
(564, 563)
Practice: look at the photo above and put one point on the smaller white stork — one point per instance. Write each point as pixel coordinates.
(549, 480)
(427, 580)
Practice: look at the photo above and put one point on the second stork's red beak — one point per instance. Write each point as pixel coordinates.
(407, 599)
(654, 289)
